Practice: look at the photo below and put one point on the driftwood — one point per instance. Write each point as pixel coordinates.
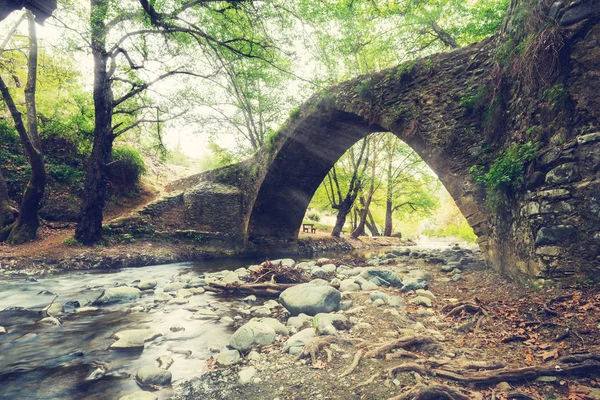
(257, 289)
(563, 366)
(430, 392)
(398, 343)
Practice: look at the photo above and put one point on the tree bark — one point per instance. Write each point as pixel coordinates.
(371, 225)
(26, 226)
(89, 228)
(8, 214)
(389, 211)
(360, 229)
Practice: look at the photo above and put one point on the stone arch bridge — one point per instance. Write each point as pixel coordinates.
(538, 84)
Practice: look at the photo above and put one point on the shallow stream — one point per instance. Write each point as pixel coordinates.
(55, 362)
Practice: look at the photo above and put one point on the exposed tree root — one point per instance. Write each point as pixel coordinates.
(564, 366)
(313, 346)
(367, 382)
(405, 341)
(431, 392)
(354, 364)
(463, 308)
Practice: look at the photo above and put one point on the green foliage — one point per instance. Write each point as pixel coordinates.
(475, 98)
(462, 231)
(126, 169)
(295, 113)
(72, 242)
(314, 216)
(557, 96)
(364, 90)
(506, 173)
(405, 71)
(325, 102)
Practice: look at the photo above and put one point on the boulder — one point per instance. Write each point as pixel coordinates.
(383, 277)
(325, 323)
(299, 339)
(146, 285)
(310, 299)
(246, 374)
(151, 375)
(227, 357)
(118, 294)
(277, 326)
(252, 334)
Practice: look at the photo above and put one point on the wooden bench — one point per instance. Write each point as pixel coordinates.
(309, 228)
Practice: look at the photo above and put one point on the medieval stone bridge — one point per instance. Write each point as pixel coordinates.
(533, 82)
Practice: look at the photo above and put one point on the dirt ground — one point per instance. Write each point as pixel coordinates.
(484, 338)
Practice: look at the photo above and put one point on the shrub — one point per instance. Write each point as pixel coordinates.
(314, 216)
(364, 90)
(126, 169)
(295, 113)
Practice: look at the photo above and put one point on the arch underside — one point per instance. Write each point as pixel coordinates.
(304, 161)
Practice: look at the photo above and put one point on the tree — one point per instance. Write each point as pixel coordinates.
(194, 26)
(353, 168)
(27, 223)
(408, 182)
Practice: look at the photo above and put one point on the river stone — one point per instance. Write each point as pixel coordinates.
(231, 277)
(319, 282)
(310, 299)
(422, 301)
(184, 293)
(348, 271)
(133, 338)
(426, 293)
(161, 297)
(252, 334)
(299, 339)
(329, 268)
(227, 321)
(378, 295)
(117, 294)
(49, 321)
(165, 361)
(250, 299)
(261, 311)
(298, 321)
(420, 274)
(139, 396)
(246, 374)
(277, 326)
(151, 375)
(174, 286)
(145, 285)
(384, 277)
(414, 284)
(205, 314)
(349, 285)
(228, 357)
(55, 309)
(2, 330)
(178, 301)
(85, 309)
(367, 286)
(324, 323)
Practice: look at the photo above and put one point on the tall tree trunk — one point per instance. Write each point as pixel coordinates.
(89, 228)
(343, 209)
(26, 226)
(389, 210)
(371, 225)
(360, 229)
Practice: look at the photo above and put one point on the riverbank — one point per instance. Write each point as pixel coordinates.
(55, 253)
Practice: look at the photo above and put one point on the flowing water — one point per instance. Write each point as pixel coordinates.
(55, 362)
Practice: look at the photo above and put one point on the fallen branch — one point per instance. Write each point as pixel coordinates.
(590, 363)
(398, 343)
(258, 289)
(426, 392)
(354, 364)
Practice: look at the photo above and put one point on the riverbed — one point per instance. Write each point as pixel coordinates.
(73, 360)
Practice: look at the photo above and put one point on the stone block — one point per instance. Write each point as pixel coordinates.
(555, 234)
(562, 174)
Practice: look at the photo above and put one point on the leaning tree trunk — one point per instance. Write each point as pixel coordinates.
(26, 226)
(389, 210)
(343, 211)
(89, 228)
(371, 225)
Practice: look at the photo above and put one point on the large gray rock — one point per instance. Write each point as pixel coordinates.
(324, 323)
(310, 299)
(382, 277)
(133, 338)
(118, 294)
(151, 375)
(252, 334)
(228, 357)
(299, 339)
(277, 326)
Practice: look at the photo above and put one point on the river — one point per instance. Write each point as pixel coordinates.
(55, 362)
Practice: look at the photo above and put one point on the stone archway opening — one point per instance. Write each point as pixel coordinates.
(302, 162)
